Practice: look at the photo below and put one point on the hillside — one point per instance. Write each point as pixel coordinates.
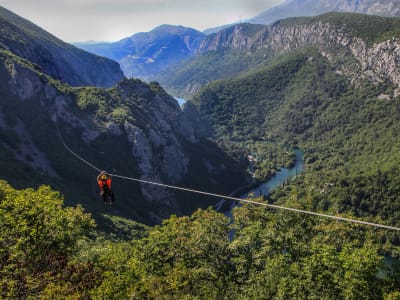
(133, 129)
(144, 54)
(55, 58)
(329, 86)
(348, 133)
(353, 43)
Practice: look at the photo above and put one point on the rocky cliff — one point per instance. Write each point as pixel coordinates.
(241, 36)
(133, 129)
(360, 46)
(348, 53)
(55, 58)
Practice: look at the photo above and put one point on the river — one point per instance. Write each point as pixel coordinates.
(180, 101)
(279, 178)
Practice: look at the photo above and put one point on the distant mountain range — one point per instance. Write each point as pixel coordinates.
(148, 55)
(237, 49)
(145, 54)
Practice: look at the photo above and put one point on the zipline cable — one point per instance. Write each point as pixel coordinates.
(276, 207)
(72, 152)
(259, 203)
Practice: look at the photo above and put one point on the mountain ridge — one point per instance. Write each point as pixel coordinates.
(307, 8)
(56, 58)
(360, 40)
(146, 53)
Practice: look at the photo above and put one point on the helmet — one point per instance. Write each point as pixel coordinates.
(103, 177)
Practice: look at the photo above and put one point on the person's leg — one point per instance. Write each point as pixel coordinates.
(104, 196)
(112, 196)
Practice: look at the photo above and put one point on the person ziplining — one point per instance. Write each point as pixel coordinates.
(104, 182)
(106, 193)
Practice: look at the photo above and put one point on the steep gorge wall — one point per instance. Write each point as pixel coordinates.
(377, 62)
(350, 54)
(156, 131)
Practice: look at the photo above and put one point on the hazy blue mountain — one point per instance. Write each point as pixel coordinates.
(145, 54)
(56, 58)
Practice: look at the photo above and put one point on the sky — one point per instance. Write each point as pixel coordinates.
(112, 20)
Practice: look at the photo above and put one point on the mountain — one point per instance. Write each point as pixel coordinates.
(308, 8)
(355, 38)
(299, 8)
(145, 54)
(149, 55)
(327, 86)
(132, 129)
(347, 127)
(55, 58)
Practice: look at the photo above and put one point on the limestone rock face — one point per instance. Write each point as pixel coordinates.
(157, 130)
(375, 62)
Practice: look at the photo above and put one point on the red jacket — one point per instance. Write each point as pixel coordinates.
(104, 183)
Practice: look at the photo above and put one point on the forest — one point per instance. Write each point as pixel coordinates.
(51, 252)
(57, 242)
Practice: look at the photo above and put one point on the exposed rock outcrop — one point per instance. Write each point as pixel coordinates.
(376, 62)
(158, 132)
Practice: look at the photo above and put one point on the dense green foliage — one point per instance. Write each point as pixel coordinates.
(47, 253)
(348, 134)
(36, 239)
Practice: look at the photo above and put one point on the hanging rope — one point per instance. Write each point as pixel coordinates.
(277, 207)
